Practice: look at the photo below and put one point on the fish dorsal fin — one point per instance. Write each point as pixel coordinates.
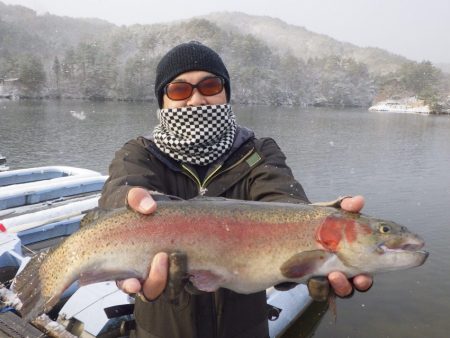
(95, 214)
(304, 263)
(201, 198)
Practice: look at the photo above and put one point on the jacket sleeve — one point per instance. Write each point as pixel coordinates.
(130, 168)
(272, 180)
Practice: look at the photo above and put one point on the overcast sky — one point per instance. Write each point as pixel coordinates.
(417, 29)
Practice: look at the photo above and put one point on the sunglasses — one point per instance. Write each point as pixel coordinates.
(178, 91)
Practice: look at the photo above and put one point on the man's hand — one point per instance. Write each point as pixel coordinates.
(140, 200)
(339, 282)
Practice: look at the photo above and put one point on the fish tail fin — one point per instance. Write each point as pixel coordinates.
(27, 286)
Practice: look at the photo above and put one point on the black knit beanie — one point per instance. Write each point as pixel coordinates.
(187, 57)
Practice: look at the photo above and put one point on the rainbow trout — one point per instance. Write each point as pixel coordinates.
(240, 245)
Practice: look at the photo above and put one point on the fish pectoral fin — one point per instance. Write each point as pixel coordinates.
(304, 263)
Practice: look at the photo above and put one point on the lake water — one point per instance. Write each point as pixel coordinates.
(399, 162)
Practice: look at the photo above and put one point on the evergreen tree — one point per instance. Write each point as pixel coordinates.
(31, 75)
(56, 71)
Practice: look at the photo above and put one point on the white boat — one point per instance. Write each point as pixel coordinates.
(407, 105)
(39, 207)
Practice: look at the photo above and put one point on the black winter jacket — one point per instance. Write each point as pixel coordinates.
(254, 169)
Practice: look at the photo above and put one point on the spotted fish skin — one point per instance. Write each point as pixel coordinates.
(240, 245)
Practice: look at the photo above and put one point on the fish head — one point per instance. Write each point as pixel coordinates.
(367, 244)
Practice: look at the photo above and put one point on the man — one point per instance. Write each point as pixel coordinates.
(198, 149)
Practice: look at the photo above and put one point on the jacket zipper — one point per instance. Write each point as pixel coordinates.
(202, 186)
(202, 190)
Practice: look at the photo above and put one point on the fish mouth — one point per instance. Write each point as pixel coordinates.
(406, 255)
(410, 245)
(382, 248)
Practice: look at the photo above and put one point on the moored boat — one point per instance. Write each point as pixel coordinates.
(41, 206)
(407, 105)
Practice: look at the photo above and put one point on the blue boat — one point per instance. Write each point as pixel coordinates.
(41, 206)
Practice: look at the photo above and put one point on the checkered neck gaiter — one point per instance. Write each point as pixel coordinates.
(195, 135)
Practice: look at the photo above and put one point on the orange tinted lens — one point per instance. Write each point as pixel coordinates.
(178, 90)
(210, 86)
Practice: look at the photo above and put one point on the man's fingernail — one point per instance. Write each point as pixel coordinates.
(161, 263)
(146, 203)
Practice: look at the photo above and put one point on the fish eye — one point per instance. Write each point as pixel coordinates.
(384, 228)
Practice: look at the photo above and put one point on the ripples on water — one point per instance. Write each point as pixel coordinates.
(399, 162)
